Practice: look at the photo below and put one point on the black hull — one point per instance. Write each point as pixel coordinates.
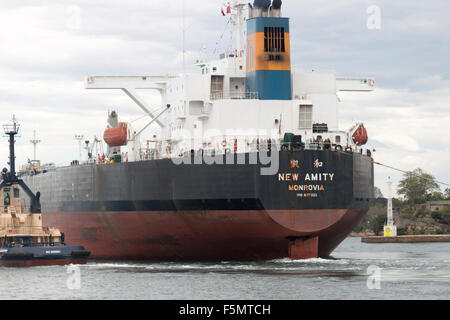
(183, 196)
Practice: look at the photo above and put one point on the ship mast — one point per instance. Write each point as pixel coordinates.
(184, 36)
(79, 138)
(34, 141)
(10, 178)
(11, 130)
(237, 20)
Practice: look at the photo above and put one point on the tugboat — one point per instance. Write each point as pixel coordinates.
(24, 241)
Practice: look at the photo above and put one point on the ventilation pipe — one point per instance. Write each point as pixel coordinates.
(275, 9)
(265, 8)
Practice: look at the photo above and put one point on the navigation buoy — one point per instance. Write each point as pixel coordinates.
(390, 230)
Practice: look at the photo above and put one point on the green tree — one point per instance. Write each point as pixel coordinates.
(376, 224)
(417, 186)
(447, 193)
(436, 196)
(441, 216)
(377, 193)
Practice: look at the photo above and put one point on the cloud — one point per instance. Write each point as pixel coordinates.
(409, 129)
(412, 42)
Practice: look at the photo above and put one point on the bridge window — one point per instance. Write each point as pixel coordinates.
(195, 108)
(6, 196)
(274, 40)
(217, 86)
(305, 118)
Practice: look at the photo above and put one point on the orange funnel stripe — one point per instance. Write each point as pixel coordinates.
(258, 59)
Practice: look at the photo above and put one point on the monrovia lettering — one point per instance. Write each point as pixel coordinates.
(297, 187)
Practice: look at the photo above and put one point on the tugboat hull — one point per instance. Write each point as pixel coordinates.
(43, 256)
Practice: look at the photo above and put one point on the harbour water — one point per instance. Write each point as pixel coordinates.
(357, 271)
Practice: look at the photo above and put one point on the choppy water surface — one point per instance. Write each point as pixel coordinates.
(407, 271)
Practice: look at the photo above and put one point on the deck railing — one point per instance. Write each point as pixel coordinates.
(254, 146)
(279, 145)
(234, 95)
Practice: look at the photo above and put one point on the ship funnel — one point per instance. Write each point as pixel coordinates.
(265, 7)
(268, 53)
(257, 3)
(276, 4)
(250, 11)
(256, 9)
(261, 8)
(275, 9)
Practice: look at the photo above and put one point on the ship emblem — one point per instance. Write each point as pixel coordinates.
(294, 164)
(318, 164)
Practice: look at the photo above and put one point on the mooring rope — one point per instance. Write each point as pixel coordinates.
(403, 171)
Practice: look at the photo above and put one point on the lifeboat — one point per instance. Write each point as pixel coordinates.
(360, 136)
(116, 137)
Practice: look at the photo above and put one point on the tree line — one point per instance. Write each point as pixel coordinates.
(418, 187)
(411, 215)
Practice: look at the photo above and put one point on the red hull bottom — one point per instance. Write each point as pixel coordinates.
(206, 235)
(39, 263)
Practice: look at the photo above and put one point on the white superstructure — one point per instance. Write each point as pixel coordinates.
(214, 110)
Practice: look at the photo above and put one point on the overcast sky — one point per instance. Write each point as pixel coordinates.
(48, 47)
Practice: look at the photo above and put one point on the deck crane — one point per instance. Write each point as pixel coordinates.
(89, 147)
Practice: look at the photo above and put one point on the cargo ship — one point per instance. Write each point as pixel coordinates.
(248, 162)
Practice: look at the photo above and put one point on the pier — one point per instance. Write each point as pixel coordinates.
(407, 239)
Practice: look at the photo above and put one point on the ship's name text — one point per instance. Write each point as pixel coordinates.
(293, 177)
